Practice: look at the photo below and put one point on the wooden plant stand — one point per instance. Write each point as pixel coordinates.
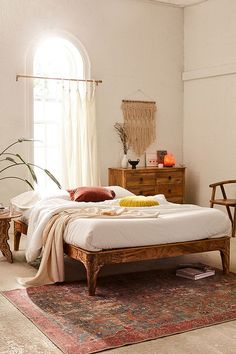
(5, 220)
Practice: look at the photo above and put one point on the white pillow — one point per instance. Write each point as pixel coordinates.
(58, 193)
(120, 191)
(26, 200)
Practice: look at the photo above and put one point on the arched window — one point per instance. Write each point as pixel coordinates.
(55, 104)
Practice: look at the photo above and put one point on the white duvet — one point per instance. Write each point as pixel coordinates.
(165, 223)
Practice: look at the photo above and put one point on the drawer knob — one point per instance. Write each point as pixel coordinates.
(141, 179)
(169, 190)
(169, 177)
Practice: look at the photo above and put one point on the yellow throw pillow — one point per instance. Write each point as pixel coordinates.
(138, 201)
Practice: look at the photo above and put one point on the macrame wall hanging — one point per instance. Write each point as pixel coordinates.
(140, 124)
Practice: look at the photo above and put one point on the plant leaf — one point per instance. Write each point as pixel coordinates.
(21, 179)
(33, 175)
(31, 186)
(11, 159)
(21, 158)
(25, 139)
(53, 178)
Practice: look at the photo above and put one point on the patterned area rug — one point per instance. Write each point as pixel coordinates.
(127, 309)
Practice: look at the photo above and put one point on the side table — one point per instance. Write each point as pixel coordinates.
(5, 219)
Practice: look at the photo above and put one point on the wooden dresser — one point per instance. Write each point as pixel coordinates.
(151, 181)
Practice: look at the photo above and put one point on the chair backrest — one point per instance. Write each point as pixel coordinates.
(221, 185)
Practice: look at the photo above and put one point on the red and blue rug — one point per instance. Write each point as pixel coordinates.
(127, 309)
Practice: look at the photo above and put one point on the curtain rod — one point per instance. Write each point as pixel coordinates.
(131, 101)
(55, 78)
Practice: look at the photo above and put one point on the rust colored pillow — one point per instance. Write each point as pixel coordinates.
(91, 194)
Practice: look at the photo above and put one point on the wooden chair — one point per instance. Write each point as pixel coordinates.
(225, 201)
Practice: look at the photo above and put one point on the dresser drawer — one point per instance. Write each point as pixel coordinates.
(143, 190)
(170, 190)
(169, 178)
(137, 179)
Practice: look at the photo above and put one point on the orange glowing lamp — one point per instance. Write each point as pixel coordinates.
(169, 160)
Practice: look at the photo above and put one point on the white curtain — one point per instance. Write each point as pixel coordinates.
(79, 139)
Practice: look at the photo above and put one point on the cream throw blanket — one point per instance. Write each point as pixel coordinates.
(51, 268)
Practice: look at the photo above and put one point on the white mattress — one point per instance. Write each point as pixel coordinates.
(179, 226)
(175, 223)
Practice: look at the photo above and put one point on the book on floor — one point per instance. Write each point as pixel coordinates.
(195, 273)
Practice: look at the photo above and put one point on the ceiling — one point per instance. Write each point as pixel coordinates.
(181, 3)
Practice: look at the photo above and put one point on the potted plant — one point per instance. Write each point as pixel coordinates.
(15, 159)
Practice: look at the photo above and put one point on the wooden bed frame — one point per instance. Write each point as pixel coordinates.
(94, 261)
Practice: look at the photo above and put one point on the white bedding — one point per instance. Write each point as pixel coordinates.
(175, 223)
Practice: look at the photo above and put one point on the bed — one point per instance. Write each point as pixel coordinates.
(178, 230)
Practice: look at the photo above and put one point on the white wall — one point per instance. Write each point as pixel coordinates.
(132, 44)
(209, 102)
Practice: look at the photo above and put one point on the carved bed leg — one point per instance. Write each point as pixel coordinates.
(92, 269)
(225, 257)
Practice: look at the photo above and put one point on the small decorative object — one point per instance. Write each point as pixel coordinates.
(151, 159)
(160, 165)
(160, 156)
(133, 163)
(124, 161)
(14, 160)
(122, 133)
(169, 160)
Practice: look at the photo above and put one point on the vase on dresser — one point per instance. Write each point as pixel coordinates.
(124, 161)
